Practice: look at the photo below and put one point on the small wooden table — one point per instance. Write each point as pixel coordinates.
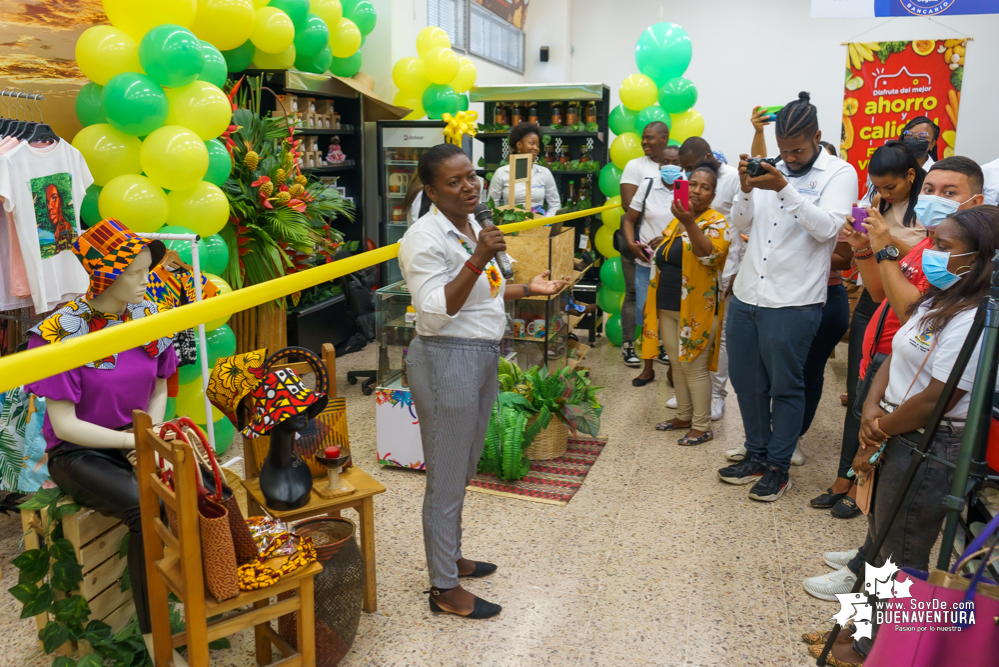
(361, 500)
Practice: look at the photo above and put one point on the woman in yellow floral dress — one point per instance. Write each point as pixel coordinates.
(683, 299)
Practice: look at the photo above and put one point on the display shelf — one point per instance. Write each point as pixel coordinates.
(330, 168)
(324, 132)
(402, 163)
(599, 136)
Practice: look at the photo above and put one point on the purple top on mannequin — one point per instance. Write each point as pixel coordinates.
(104, 397)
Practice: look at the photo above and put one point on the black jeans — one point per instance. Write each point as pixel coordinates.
(629, 307)
(834, 323)
(104, 480)
(862, 315)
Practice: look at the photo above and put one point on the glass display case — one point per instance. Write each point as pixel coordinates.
(538, 331)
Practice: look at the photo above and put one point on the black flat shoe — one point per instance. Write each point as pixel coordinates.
(481, 570)
(826, 500)
(845, 508)
(482, 609)
(639, 382)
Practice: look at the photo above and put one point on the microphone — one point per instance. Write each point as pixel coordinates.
(484, 216)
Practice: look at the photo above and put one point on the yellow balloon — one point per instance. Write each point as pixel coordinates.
(612, 217)
(204, 209)
(688, 124)
(136, 201)
(174, 158)
(191, 402)
(283, 60)
(104, 52)
(108, 152)
(638, 91)
(430, 38)
(201, 108)
(223, 288)
(226, 24)
(409, 75)
(604, 241)
(330, 11)
(441, 65)
(345, 38)
(260, 3)
(273, 32)
(137, 17)
(465, 78)
(626, 147)
(405, 100)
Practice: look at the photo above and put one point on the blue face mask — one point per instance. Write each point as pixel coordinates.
(931, 210)
(670, 172)
(935, 268)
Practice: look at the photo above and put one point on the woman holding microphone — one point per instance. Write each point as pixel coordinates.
(449, 262)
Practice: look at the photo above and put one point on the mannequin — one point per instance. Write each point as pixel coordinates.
(285, 480)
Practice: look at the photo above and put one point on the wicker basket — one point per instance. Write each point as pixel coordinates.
(551, 443)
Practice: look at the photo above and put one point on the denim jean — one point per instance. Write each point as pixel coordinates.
(834, 323)
(636, 283)
(862, 315)
(768, 375)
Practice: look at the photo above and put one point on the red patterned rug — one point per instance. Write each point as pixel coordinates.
(554, 482)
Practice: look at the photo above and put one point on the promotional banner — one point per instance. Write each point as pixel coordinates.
(890, 83)
(870, 8)
(513, 12)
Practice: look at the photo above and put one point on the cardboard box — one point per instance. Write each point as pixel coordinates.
(324, 121)
(536, 254)
(581, 351)
(287, 105)
(324, 107)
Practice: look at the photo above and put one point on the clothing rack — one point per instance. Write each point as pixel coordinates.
(21, 95)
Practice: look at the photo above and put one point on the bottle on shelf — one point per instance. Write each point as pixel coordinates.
(532, 113)
(584, 189)
(499, 115)
(591, 112)
(549, 153)
(563, 154)
(584, 154)
(572, 114)
(516, 114)
(557, 113)
(572, 192)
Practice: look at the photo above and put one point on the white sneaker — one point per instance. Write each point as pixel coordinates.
(838, 559)
(826, 586)
(736, 454)
(671, 403)
(717, 408)
(798, 458)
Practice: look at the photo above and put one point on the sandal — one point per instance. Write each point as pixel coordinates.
(844, 398)
(687, 441)
(819, 638)
(667, 426)
(832, 661)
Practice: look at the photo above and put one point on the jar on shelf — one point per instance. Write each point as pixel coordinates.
(499, 115)
(516, 114)
(563, 154)
(584, 154)
(557, 118)
(572, 114)
(549, 153)
(532, 113)
(591, 112)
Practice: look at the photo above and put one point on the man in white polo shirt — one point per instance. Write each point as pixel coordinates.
(793, 214)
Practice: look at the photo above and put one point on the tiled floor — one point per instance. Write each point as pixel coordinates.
(654, 562)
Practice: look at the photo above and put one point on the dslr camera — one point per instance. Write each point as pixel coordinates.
(754, 166)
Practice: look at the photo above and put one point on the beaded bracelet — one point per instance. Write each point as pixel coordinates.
(474, 269)
(866, 255)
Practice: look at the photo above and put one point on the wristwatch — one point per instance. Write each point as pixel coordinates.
(888, 252)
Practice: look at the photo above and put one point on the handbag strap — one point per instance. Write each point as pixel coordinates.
(641, 214)
(921, 366)
(187, 424)
(310, 357)
(880, 329)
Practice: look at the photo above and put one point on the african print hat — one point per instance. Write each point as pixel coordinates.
(281, 395)
(106, 250)
(233, 378)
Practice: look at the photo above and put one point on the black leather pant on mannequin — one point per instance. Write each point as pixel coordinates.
(104, 480)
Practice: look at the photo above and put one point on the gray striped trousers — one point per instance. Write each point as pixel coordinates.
(454, 385)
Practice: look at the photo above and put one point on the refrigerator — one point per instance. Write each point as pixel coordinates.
(400, 145)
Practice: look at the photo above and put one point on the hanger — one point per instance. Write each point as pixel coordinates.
(25, 130)
(41, 131)
(18, 127)
(5, 121)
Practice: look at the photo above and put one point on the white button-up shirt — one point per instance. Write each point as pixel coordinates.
(991, 186)
(431, 256)
(543, 189)
(658, 212)
(792, 234)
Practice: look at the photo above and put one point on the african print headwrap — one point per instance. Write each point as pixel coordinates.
(281, 395)
(233, 378)
(106, 250)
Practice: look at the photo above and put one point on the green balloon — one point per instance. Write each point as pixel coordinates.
(610, 180)
(462, 102)
(135, 103)
(183, 248)
(171, 55)
(221, 343)
(297, 10)
(622, 119)
(439, 99)
(89, 108)
(612, 329)
(88, 211)
(651, 114)
(216, 70)
(609, 300)
(347, 67)
(216, 256)
(171, 409)
(219, 164)
(312, 37)
(663, 52)
(316, 64)
(362, 13)
(672, 142)
(240, 58)
(678, 95)
(225, 432)
(612, 274)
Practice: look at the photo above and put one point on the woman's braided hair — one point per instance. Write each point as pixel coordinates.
(798, 117)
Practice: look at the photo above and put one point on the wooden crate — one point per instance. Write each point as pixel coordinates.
(581, 351)
(535, 254)
(97, 541)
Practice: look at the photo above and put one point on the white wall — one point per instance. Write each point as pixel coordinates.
(766, 51)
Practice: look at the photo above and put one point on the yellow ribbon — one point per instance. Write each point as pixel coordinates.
(459, 125)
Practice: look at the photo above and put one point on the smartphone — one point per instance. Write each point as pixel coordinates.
(771, 112)
(681, 192)
(649, 254)
(859, 215)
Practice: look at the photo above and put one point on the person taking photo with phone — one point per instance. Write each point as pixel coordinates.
(793, 213)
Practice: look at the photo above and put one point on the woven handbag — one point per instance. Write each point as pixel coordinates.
(218, 555)
(327, 429)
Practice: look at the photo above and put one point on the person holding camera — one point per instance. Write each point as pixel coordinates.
(793, 209)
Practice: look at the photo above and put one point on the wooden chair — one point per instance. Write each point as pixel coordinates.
(365, 488)
(174, 565)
